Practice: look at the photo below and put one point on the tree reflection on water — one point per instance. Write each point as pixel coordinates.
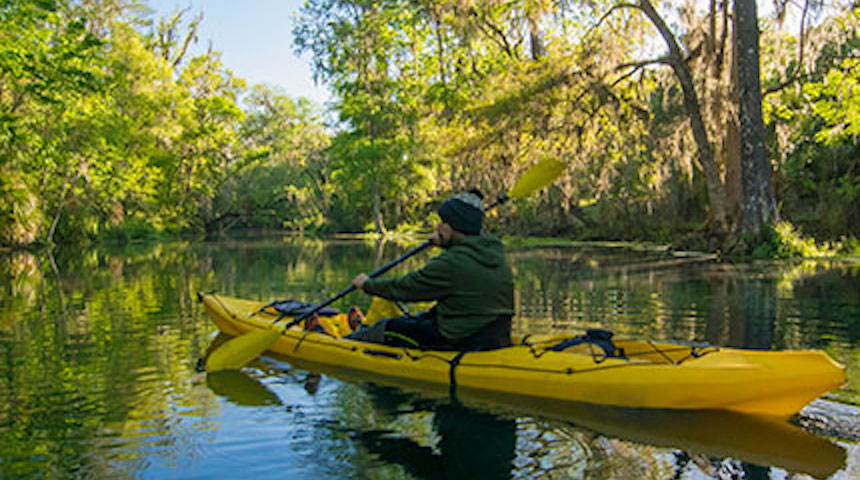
(99, 346)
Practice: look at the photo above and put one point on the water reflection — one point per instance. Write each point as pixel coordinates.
(428, 435)
(241, 389)
(386, 417)
(749, 440)
(748, 305)
(98, 350)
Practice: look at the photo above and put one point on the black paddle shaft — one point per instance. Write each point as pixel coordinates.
(379, 271)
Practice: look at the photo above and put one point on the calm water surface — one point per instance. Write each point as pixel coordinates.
(98, 351)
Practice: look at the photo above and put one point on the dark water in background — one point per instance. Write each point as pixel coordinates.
(98, 351)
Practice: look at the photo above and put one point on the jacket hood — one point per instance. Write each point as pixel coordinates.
(484, 249)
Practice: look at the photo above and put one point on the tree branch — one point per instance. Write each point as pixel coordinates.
(724, 35)
(499, 38)
(617, 6)
(665, 60)
(796, 73)
(191, 36)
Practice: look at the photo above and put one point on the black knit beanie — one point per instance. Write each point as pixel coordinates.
(464, 213)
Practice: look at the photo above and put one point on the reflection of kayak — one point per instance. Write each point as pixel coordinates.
(755, 439)
(759, 440)
(649, 374)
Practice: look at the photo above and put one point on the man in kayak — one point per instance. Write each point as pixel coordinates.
(470, 281)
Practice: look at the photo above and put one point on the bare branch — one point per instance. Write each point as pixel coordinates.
(617, 6)
(665, 60)
(795, 75)
(495, 34)
(191, 36)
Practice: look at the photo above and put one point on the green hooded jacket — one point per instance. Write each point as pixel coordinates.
(471, 282)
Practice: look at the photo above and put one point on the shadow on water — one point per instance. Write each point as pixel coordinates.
(471, 443)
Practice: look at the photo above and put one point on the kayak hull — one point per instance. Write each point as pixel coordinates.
(655, 375)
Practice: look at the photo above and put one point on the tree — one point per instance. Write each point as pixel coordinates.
(359, 48)
(51, 74)
(759, 205)
(283, 179)
(99, 124)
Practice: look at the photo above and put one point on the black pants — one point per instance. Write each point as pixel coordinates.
(419, 331)
(422, 331)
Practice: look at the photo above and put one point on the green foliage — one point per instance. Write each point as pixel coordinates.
(378, 165)
(52, 73)
(836, 99)
(132, 231)
(815, 136)
(100, 128)
(850, 246)
(110, 128)
(283, 178)
(783, 240)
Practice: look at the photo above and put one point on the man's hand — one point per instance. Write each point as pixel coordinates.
(358, 281)
(442, 236)
(435, 238)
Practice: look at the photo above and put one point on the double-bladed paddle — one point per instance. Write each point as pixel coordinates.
(236, 353)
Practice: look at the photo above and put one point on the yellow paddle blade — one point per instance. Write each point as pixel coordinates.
(381, 308)
(236, 353)
(536, 178)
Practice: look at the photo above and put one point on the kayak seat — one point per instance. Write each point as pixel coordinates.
(593, 336)
(492, 336)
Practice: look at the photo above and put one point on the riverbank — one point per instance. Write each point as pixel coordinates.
(787, 244)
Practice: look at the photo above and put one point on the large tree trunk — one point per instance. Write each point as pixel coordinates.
(731, 147)
(758, 206)
(723, 98)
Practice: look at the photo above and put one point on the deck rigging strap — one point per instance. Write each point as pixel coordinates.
(452, 378)
(293, 308)
(593, 336)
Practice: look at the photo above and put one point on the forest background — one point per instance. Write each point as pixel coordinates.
(701, 124)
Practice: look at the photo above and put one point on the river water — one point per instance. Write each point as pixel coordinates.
(98, 350)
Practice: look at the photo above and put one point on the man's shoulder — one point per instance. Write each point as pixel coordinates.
(482, 242)
(485, 250)
(442, 260)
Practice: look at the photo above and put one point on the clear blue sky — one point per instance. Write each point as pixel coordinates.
(255, 38)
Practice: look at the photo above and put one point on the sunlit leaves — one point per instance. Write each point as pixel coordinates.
(371, 55)
(837, 101)
(102, 126)
(107, 119)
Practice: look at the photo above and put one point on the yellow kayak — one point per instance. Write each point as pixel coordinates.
(643, 373)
